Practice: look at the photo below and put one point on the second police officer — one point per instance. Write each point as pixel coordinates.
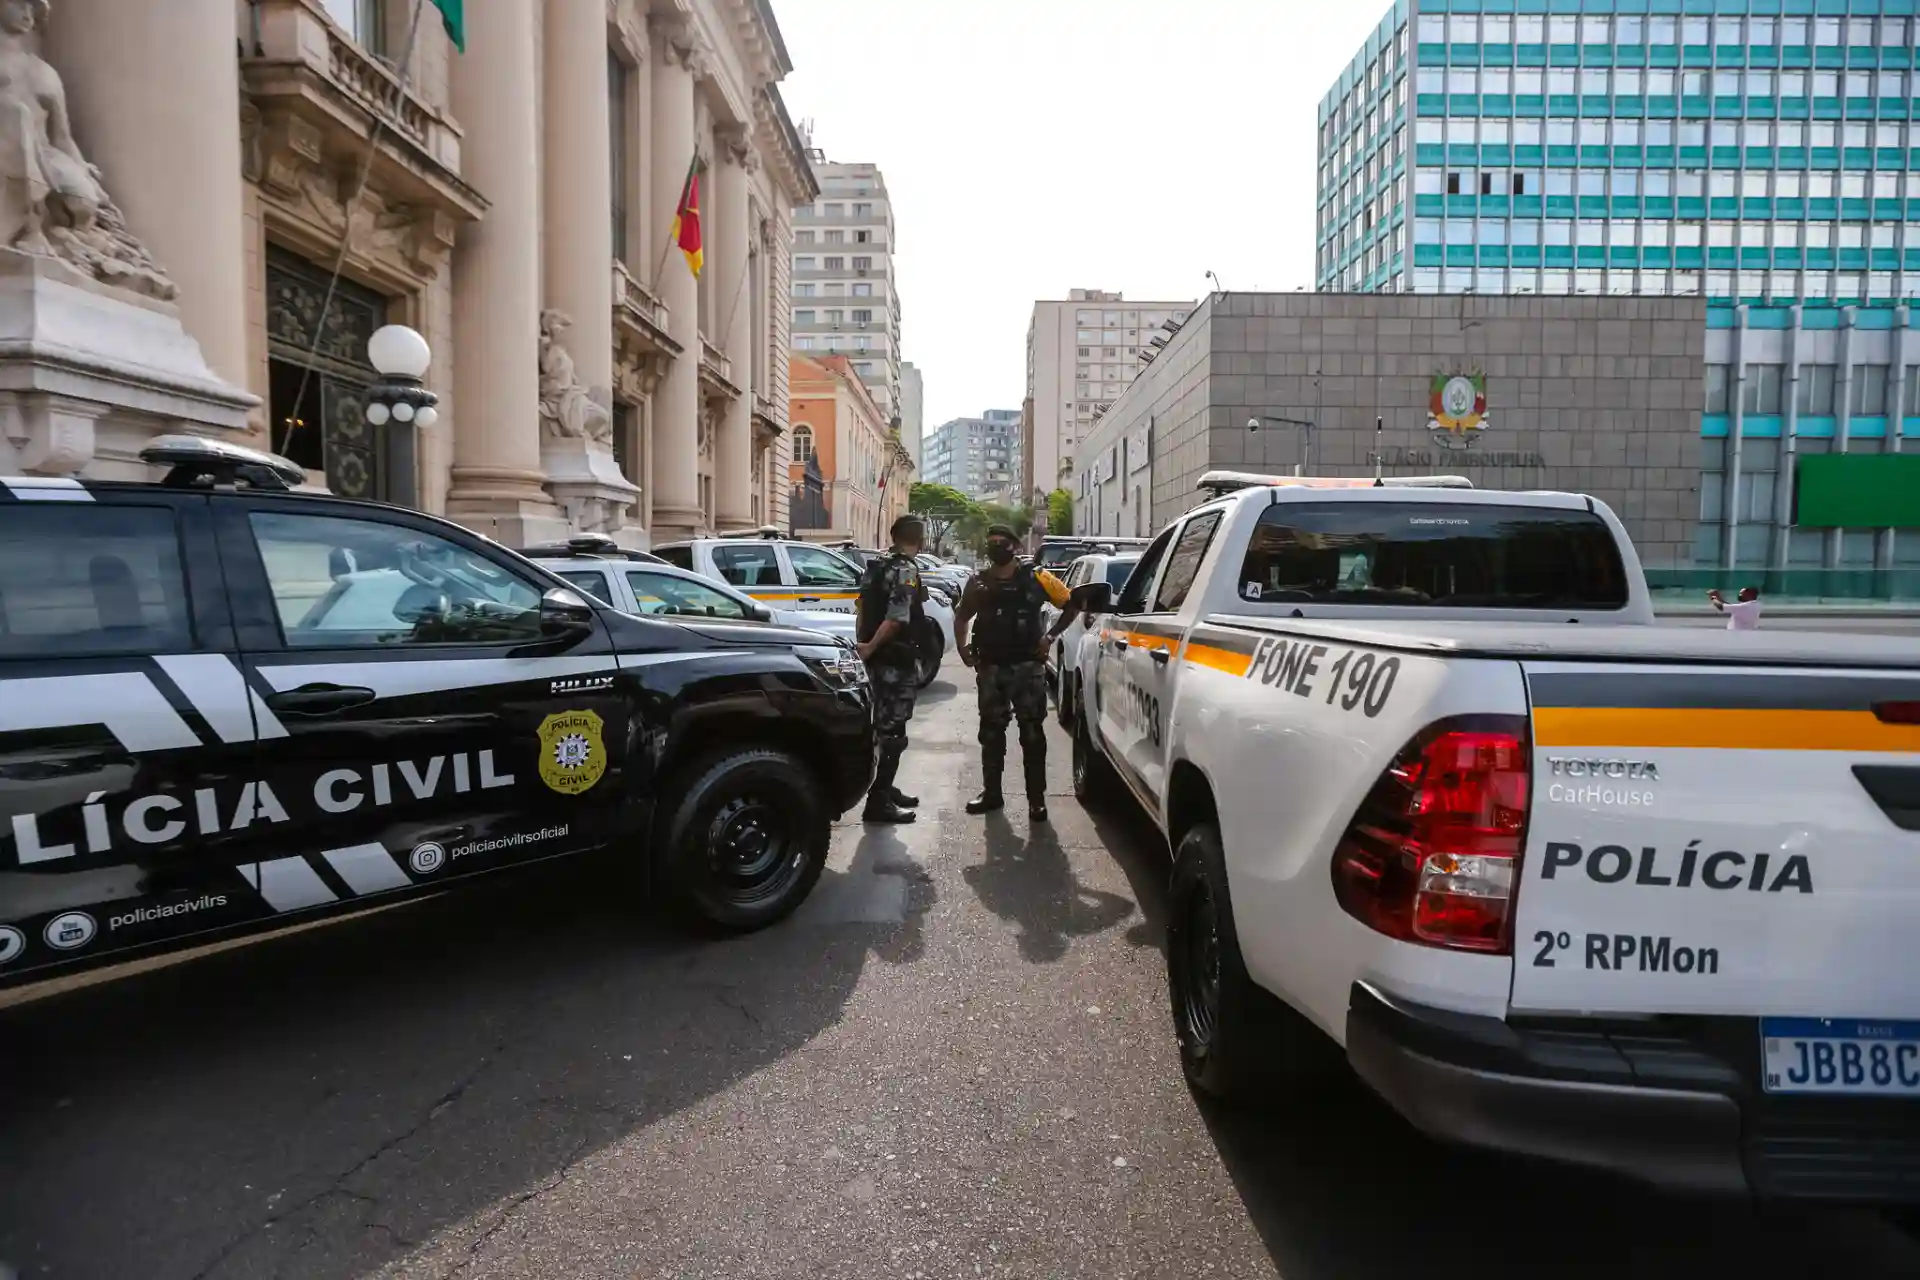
(890, 621)
(1008, 655)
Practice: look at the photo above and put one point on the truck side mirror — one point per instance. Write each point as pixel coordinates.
(1094, 597)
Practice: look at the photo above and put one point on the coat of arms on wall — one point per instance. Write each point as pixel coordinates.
(1457, 411)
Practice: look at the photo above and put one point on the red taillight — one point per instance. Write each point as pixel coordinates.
(1434, 852)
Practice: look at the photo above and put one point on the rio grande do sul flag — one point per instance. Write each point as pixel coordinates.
(686, 220)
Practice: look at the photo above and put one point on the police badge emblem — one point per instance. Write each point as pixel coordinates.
(573, 753)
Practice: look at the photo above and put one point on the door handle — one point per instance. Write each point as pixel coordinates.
(1160, 656)
(809, 600)
(1123, 644)
(319, 699)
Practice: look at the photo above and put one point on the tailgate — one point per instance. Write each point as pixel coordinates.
(1721, 840)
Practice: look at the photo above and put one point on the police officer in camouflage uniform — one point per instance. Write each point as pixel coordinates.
(891, 616)
(1008, 655)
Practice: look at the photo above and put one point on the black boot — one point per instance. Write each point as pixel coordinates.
(989, 798)
(904, 800)
(1033, 763)
(880, 809)
(993, 759)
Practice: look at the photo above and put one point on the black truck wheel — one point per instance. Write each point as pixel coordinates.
(745, 841)
(931, 648)
(1238, 1042)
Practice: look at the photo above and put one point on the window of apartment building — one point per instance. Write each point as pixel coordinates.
(803, 316)
(1561, 83)
(803, 237)
(1716, 388)
(862, 209)
(1083, 352)
(833, 211)
(863, 291)
(1762, 395)
(862, 315)
(861, 262)
(835, 316)
(805, 264)
(1562, 30)
(835, 264)
(863, 237)
(1868, 397)
(835, 290)
(835, 236)
(1815, 396)
(803, 289)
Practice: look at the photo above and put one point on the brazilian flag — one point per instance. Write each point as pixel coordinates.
(453, 16)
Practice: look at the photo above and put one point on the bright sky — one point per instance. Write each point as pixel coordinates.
(1033, 146)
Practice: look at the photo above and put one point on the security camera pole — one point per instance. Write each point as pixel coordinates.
(1307, 429)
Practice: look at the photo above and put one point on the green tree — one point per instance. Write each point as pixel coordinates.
(1059, 512)
(942, 507)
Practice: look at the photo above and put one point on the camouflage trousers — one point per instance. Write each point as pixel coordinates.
(894, 687)
(1012, 691)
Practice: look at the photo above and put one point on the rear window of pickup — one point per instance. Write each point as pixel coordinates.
(1413, 553)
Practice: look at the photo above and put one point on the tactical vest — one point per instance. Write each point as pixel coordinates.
(873, 610)
(1007, 625)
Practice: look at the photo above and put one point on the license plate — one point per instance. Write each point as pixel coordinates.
(1840, 1055)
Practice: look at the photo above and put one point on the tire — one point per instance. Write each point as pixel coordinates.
(932, 650)
(1094, 781)
(1238, 1043)
(746, 842)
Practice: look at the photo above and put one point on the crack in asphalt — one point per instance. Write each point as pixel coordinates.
(516, 1204)
(337, 1187)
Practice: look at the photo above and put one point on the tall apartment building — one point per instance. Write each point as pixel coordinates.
(1761, 158)
(844, 300)
(1603, 149)
(913, 409)
(978, 456)
(1082, 351)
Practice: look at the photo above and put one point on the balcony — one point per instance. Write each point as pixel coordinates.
(313, 100)
(642, 345)
(716, 372)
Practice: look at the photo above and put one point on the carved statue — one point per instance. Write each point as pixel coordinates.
(567, 410)
(52, 203)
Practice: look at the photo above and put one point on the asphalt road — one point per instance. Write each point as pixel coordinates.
(955, 1062)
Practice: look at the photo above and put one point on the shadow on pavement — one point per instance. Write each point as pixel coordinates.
(1340, 1188)
(1029, 881)
(316, 1105)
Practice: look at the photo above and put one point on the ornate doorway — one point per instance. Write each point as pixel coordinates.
(316, 390)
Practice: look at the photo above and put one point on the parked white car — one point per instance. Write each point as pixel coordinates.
(1064, 657)
(1551, 879)
(659, 589)
(788, 573)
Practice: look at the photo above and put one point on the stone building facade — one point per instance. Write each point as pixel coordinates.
(1601, 396)
(512, 201)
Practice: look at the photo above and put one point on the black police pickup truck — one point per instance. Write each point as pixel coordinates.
(225, 705)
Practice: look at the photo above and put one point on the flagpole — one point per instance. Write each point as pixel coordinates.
(693, 165)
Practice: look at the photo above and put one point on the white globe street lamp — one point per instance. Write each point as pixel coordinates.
(400, 356)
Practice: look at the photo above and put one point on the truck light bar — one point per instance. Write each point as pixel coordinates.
(1220, 482)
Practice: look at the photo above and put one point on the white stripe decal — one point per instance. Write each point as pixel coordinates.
(628, 661)
(288, 884)
(128, 703)
(267, 723)
(46, 489)
(215, 688)
(390, 679)
(367, 868)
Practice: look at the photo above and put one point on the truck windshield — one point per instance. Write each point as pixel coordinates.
(1412, 553)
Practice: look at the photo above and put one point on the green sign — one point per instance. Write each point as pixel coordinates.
(1858, 491)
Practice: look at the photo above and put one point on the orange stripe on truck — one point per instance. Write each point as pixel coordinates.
(1733, 728)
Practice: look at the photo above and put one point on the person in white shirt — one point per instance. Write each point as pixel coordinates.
(1743, 614)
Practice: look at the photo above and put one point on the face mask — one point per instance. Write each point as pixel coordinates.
(1000, 554)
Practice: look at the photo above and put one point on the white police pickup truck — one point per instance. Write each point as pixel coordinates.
(1553, 880)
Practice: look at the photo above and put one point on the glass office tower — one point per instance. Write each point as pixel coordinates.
(1763, 153)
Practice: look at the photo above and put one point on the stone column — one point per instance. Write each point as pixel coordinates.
(733, 450)
(496, 283)
(676, 405)
(140, 79)
(577, 177)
